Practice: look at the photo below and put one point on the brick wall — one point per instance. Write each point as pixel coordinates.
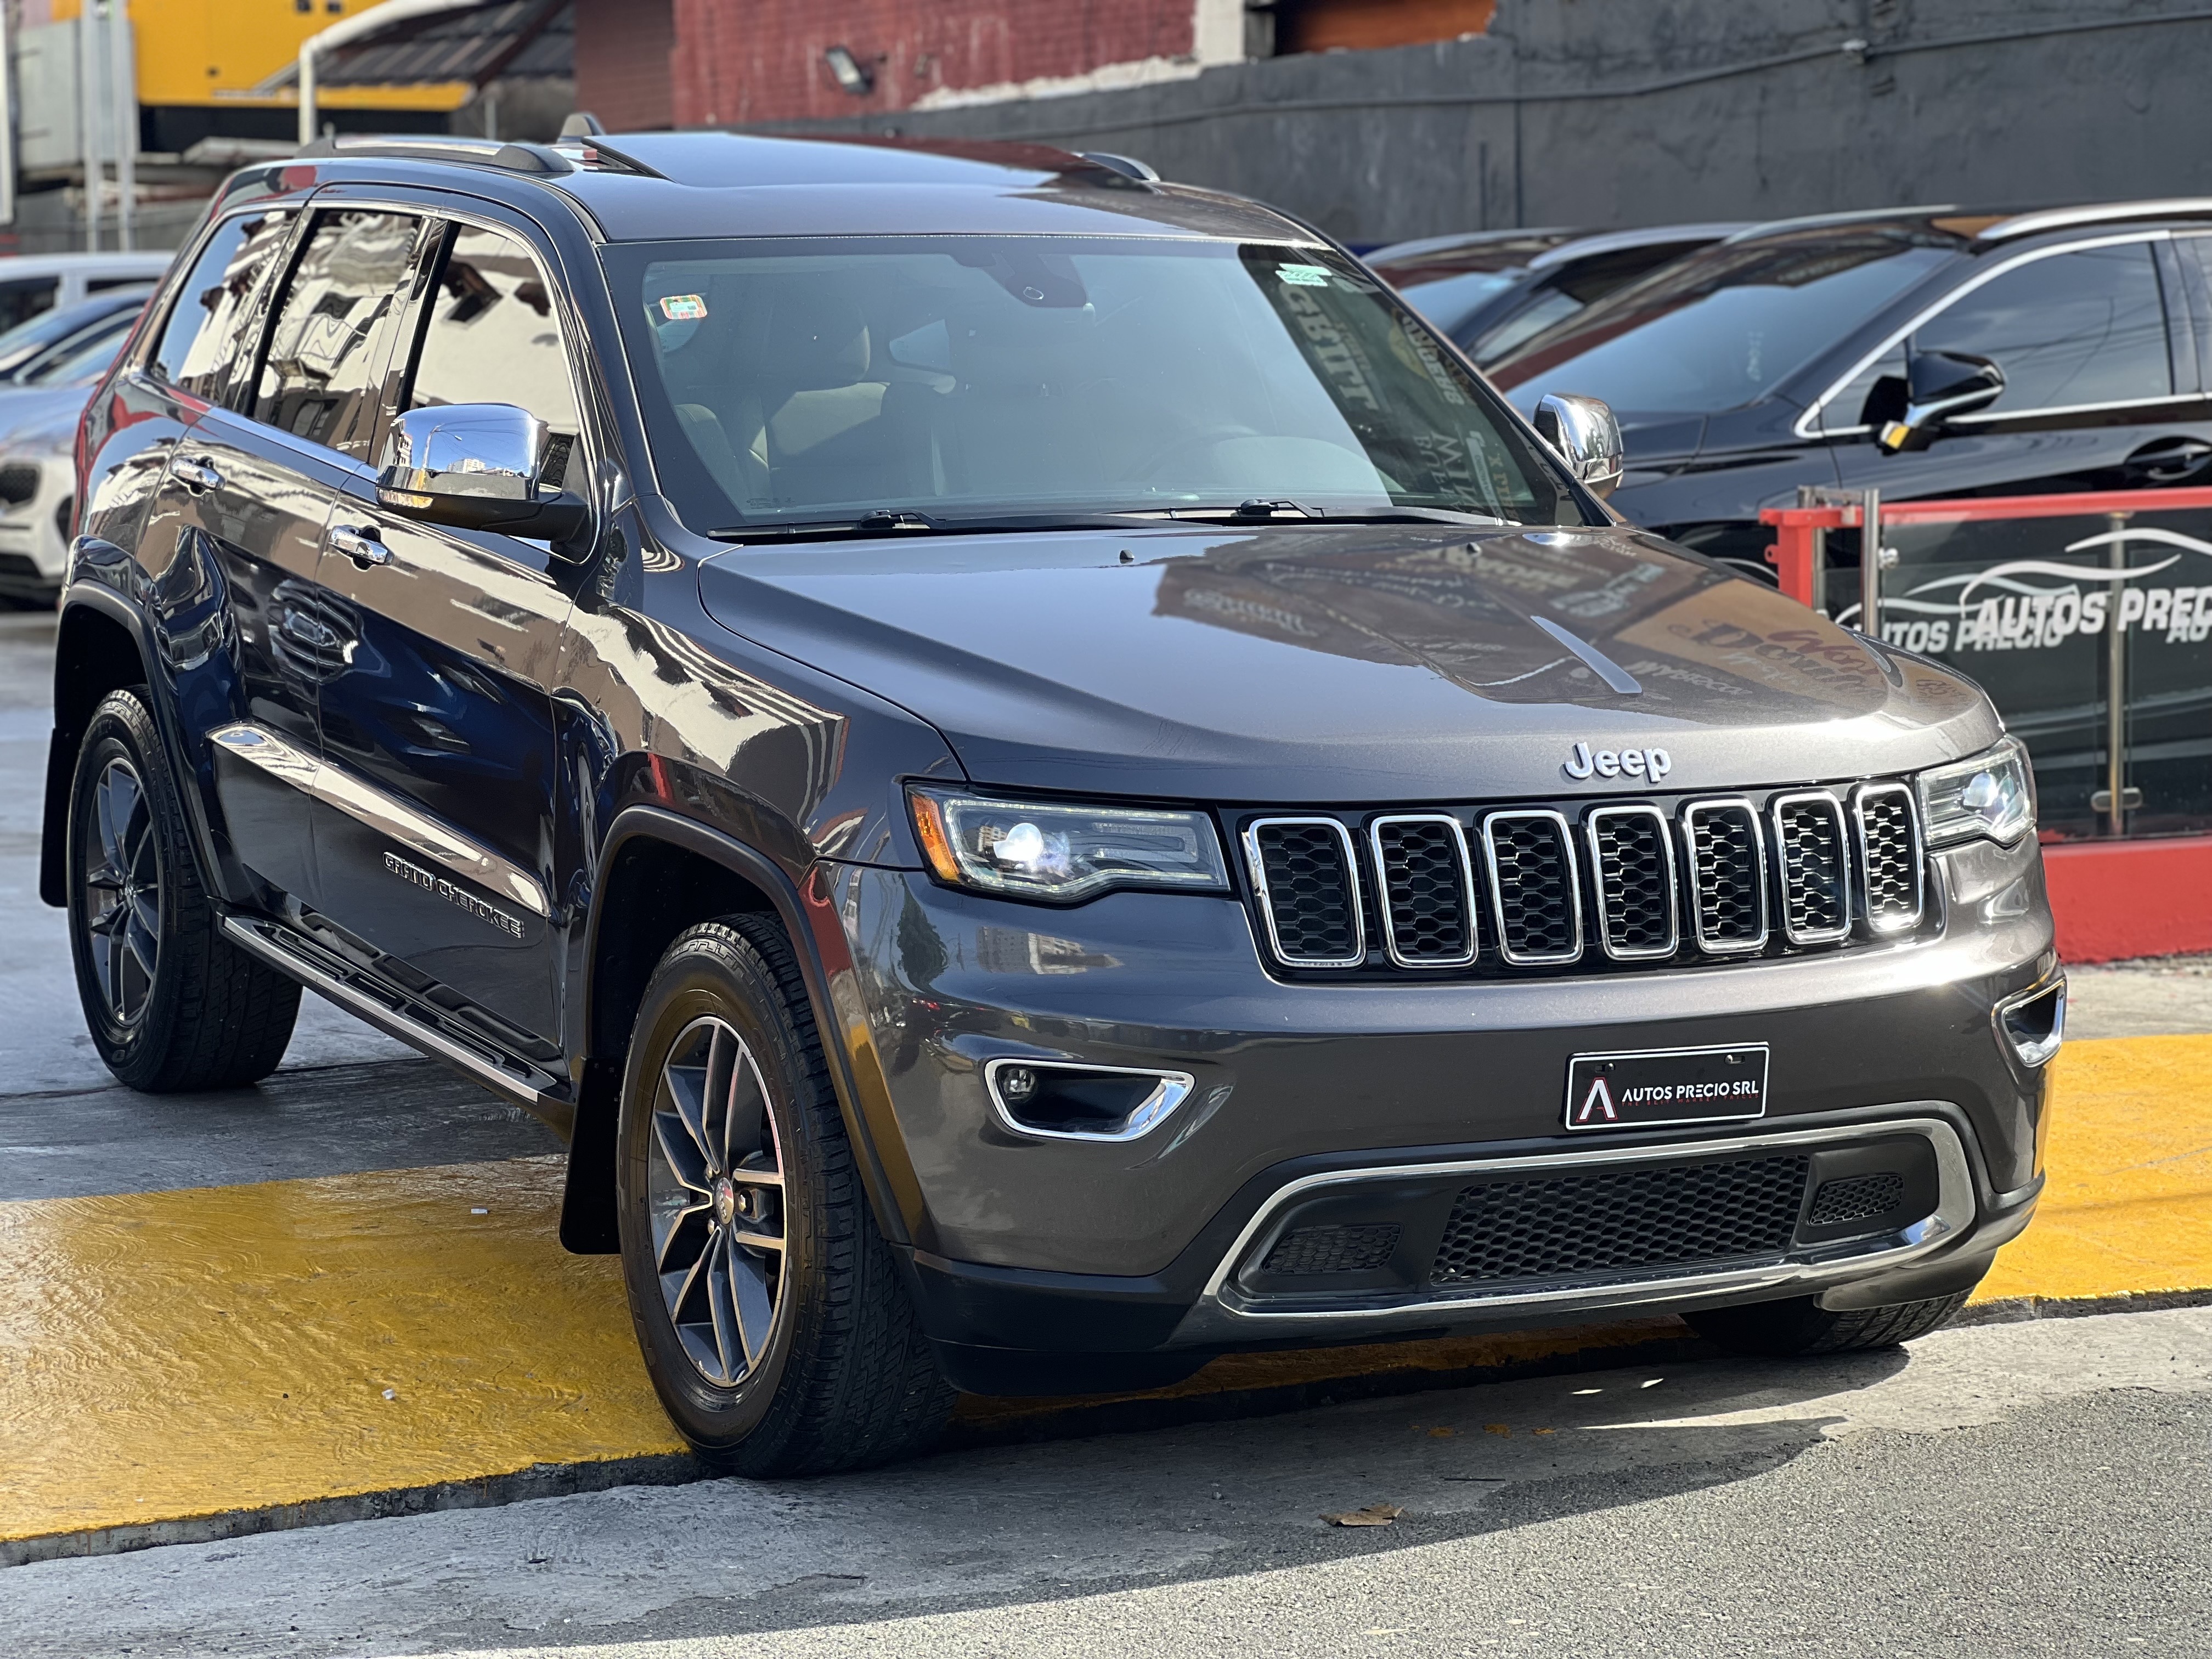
(762, 61)
(624, 49)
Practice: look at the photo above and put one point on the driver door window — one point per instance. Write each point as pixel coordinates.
(2086, 327)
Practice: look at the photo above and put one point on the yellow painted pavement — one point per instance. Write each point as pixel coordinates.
(2127, 1207)
(171, 1355)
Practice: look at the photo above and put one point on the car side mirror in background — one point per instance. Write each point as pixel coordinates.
(1582, 432)
(1938, 387)
(475, 466)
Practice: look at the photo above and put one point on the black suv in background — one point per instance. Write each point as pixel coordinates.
(2062, 350)
(1492, 289)
(1044, 782)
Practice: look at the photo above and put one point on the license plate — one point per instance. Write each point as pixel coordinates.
(1653, 1087)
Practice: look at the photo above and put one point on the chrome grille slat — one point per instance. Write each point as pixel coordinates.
(1307, 877)
(1425, 879)
(1728, 875)
(1632, 874)
(1813, 848)
(1535, 892)
(1892, 885)
(1669, 880)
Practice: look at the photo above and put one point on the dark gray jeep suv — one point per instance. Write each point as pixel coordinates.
(1043, 782)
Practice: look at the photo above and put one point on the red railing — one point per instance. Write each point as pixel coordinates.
(1795, 527)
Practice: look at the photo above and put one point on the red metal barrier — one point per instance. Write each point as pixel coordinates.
(2112, 899)
(1791, 555)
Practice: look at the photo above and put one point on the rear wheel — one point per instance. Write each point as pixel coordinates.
(770, 1312)
(171, 1003)
(1802, 1326)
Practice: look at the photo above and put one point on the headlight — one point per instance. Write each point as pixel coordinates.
(1058, 853)
(1992, 795)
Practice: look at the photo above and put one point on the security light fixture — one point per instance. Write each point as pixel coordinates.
(852, 74)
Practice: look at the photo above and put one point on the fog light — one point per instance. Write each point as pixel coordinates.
(2035, 1022)
(1059, 1100)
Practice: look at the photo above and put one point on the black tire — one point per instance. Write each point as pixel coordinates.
(201, 1013)
(832, 1371)
(1801, 1326)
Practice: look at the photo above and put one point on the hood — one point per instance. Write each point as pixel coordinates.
(1327, 664)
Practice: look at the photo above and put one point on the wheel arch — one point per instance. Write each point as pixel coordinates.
(657, 873)
(96, 651)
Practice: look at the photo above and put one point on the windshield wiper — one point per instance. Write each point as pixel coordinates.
(888, 523)
(1276, 511)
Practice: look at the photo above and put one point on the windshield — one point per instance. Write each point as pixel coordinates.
(827, 379)
(1721, 328)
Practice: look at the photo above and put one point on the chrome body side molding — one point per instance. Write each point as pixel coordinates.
(382, 811)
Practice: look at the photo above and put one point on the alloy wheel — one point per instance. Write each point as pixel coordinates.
(715, 1186)
(123, 891)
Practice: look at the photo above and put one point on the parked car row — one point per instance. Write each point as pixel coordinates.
(67, 315)
(1927, 352)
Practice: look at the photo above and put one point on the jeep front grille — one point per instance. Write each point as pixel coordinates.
(1611, 883)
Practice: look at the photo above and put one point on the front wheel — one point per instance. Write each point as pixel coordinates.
(172, 1004)
(769, 1310)
(1801, 1327)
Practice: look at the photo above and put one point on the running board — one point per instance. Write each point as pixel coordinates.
(504, 1075)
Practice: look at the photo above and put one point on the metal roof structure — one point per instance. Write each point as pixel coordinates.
(476, 43)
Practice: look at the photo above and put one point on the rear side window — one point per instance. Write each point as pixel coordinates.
(24, 299)
(327, 350)
(2087, 328)
(204, 332)
(493, 337)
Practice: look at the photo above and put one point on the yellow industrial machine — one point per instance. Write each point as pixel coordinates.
(200, 62)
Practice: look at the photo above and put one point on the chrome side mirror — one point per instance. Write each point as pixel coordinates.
(475, 466)
(1938, 385)
(1584, 433)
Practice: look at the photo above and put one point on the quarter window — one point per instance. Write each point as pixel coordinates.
(492, 336)
(204, 332)
(2087, 328)
(323, 370)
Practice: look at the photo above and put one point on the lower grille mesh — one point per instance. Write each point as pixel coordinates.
(1333, 1249)
(1856, 1198)
(1668, 1215)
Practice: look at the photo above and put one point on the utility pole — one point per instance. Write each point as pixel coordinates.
(123, 82)
(87, 119)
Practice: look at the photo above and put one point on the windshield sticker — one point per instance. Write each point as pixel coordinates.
(685, 308)
(1301, 276)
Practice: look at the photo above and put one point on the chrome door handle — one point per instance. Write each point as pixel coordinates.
(360, 545)
(196, 476)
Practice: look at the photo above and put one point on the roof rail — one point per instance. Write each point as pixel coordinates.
(2033, 224)
(406, 147)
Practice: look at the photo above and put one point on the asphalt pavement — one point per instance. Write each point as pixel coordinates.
(2033, 1488)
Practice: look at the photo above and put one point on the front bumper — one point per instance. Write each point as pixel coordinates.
(1022, 1244)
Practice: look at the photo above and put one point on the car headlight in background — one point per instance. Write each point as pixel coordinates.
(1991, 796)
(1059, 852)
